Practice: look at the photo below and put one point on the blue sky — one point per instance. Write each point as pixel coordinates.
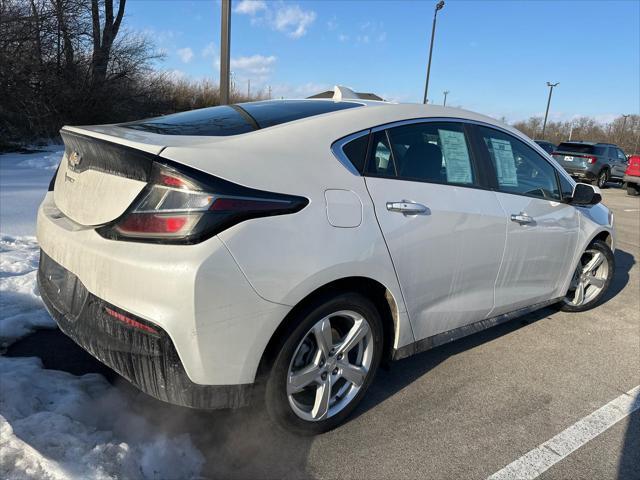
(495, 57)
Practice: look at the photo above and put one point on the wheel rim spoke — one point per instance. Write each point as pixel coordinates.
(358, 331)
(322, 334)
(353, 373)
(302, 378)
(594, 263)
(596, 282)
(321, 403)
(578, 298)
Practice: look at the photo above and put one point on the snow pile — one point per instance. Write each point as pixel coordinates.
(57, 425)
(54, 425)
(46, 160)
(20, 305)
(24, 178)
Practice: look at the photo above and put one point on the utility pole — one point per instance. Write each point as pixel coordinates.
(248, 88)
(446, 92)
(624, 124)
(225, 58)
(546, 113)
(439, 6)
(269, 92)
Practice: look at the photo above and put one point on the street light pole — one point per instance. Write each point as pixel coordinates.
(439, 6)
(546, 113)
(225, 58)
(446, 92)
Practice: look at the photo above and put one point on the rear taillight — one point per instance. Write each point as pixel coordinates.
(591, 160)
(183, 205)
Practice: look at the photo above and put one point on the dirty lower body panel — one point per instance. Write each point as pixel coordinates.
(138, 350)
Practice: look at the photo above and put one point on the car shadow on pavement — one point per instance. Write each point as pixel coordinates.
(624, 262)
(629, 464)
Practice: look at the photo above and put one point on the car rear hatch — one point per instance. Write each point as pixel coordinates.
(100, 175)
(574, 156)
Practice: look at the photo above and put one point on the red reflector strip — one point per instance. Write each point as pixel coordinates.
(243, 205)
(150, 223)
(129, 321)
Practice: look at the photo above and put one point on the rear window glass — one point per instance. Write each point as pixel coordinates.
(271, 113)
(236, 119)
(575, 147)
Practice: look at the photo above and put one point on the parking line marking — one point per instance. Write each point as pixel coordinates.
(631, 210)
(543, 457)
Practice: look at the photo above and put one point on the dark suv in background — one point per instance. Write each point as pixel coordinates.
(546, 146)
(592, 162)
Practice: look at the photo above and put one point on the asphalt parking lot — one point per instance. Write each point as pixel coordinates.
(463, 410)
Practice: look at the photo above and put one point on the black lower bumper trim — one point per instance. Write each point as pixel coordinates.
(148, 360)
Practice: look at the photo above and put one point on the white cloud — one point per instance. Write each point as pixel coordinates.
(332, 24)
(257, 65)
(250, 7)
(293, 20)
(343, 38)
(209, 51)
(290, 19)
(185, 54)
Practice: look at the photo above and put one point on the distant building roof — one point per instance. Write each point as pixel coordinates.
(344, 93)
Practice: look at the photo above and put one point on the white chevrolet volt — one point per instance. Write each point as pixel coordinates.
(278, 251)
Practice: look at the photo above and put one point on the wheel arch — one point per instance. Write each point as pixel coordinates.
(379, 294)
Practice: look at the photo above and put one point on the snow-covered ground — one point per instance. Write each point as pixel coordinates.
(54, 425)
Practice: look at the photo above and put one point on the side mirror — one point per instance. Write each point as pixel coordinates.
(584, 195)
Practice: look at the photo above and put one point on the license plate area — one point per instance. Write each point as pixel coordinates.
(568, 158)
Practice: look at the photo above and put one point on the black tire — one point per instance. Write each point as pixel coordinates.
(602, 247)
(603, 178)
(633, 189)
(276, 399)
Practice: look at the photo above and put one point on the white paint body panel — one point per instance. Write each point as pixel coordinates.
(221, 300)
(538, 256)
(447, 260)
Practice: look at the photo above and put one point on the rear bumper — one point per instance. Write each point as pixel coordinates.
(147, 358)
(581, 173)
(631, 179)
(216, 322)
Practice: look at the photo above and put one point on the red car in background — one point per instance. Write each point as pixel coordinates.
(632, 175)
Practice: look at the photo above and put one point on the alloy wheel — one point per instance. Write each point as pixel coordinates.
(330, 365)
(602, 179)
(589, 278)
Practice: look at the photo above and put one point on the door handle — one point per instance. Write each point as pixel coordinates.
(521, 218)
(407, 208)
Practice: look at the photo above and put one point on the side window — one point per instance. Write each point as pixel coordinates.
(519, 168)
(432, 152)
(380, 159)
(613, 153)
(602, 151)
(356, 151)
(621, 155)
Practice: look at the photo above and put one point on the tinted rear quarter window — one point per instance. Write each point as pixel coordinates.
(356, 151)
